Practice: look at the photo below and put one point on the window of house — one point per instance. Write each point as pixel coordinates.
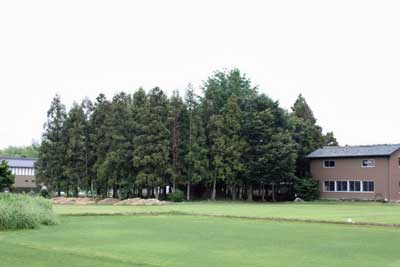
(341, 186)
(329, 186)
(398, 162)
(368, 163)
(329, 164)
(355, 186)
(368, 186)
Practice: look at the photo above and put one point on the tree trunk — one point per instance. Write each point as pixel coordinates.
(165, 192)
(214, 190)
(273, 192)
(262, 192)
(250, 193)
(148, 193)
(188, 191)
(233, 192)
(140, 192)
(173, 185)
(115, 192)
(241, 193)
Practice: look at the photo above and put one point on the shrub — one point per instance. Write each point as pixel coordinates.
(19, 211)
(6, 176)
(44, 192)
(177, 196)
(306, 188)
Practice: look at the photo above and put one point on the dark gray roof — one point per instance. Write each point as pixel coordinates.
(354, 151)
(19, 162)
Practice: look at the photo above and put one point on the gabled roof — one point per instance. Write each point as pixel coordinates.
(17, 162)
(354, 151)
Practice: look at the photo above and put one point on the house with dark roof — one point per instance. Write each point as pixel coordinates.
(357, 172)
(24, 170)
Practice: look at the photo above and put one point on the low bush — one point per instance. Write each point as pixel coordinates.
(20, 211)
(306, 188)
(177, 196)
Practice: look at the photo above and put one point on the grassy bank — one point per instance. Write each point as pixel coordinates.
(19, 211)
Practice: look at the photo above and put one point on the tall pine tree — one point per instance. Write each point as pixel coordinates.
(196, 156)
(50, 168)
(151, 143)
(75, 164)
(175, 120)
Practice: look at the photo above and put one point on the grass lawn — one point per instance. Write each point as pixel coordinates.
(331, 211)
(174, 240)
(190, 240)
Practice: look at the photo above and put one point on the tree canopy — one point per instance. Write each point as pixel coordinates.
(6, 176)
(31, 151)
(231, 141)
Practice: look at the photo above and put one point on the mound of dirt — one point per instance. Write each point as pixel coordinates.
(74, 200)
(141, 202)
(108, 201)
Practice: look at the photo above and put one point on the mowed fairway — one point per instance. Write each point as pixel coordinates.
(174, 240)
(327, 211)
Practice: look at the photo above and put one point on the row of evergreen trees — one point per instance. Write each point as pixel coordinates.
(230, 139)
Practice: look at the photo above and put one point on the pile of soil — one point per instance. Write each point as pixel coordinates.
(141, 202)
(108, 201)
(74, 200)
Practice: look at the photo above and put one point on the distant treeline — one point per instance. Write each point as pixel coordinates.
(230, 141)
(31, 151)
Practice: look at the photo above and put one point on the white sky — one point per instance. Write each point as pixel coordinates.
(343, 56)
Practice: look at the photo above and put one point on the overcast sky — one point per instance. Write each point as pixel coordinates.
(343, 56)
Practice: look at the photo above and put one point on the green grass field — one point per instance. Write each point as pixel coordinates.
(197, 241)
(330, 211)
(177, 240)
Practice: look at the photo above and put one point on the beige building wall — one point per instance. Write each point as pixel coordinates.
(395, 176)
(25, 181)
(385, 175)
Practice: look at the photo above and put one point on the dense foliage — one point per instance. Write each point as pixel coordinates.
(306, 188)
(176, 196)
(6, 177)
(31, 151)
(230, 142)
(19, 211)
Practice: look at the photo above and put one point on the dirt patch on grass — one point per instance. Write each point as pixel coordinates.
(108, 201)
(141, 202)
(74, 200)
